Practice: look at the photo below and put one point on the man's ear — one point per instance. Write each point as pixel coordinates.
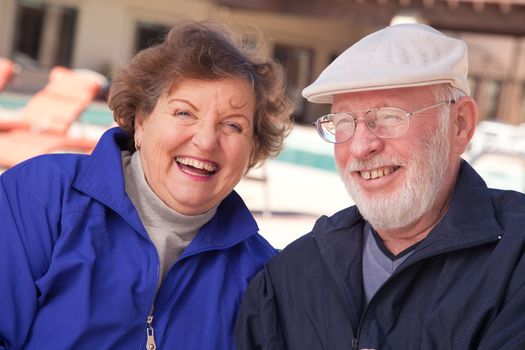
(465, 122)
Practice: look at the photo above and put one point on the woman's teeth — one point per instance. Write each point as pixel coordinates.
(377, 173)
(196, 164)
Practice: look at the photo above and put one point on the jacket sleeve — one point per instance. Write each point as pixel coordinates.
(258, 322)
(507, 330)
(25, 250)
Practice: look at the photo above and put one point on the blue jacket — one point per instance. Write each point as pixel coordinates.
(78, 271)
(462, 288)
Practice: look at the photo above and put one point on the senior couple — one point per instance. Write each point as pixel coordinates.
(144, 244)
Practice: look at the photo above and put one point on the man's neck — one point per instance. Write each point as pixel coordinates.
(396, 241)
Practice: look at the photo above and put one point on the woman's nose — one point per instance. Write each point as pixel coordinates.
(206, 136)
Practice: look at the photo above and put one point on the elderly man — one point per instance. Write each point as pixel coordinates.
(429, 258)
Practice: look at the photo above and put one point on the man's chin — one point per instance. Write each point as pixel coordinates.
(386, 215)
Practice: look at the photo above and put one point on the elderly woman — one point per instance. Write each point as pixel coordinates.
(144, 243)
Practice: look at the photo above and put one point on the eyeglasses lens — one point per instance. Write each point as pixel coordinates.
(384, 123)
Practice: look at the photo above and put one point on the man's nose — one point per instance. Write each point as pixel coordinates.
(364, 142)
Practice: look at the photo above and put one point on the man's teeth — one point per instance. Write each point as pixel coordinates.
(377, 173)
(197, 164)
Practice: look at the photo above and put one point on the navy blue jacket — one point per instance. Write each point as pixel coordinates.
(463, 288)
(78, 270)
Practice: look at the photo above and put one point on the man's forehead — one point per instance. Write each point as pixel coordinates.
(404, 95)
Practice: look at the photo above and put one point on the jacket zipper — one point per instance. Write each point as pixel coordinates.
(150, 333)
(355, 341)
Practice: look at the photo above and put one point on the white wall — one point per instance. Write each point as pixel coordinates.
(7, 23)
(105, 31)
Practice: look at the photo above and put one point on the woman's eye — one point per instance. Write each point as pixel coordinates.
(185, 117)
(182, 114)
(233, 127)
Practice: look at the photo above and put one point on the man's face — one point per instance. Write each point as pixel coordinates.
(395, 182)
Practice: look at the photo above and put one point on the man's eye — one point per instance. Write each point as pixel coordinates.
(388, 116)
(391, 117)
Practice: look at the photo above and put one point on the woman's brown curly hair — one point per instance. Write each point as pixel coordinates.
(205, 51)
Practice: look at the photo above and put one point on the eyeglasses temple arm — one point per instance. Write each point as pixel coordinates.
(451, 102)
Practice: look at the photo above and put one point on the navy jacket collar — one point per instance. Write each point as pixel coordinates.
(469, 220)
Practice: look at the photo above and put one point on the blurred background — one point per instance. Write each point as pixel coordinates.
(290, 192)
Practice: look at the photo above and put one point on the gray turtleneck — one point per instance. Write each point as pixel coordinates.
(170, 231)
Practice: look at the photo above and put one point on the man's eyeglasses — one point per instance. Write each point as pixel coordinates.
(386, 122)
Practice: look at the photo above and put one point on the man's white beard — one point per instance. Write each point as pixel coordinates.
(425, 175)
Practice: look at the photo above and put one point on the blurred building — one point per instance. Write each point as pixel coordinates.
(304, 35)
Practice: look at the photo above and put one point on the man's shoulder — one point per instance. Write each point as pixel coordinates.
(306, 249)
(508, 200)
(509, 210)
(298, 249)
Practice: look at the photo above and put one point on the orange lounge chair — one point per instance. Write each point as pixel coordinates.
(54, 108)
(7, 69)
(47, 123)
(20, 145)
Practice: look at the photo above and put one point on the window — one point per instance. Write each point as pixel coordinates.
(149, 34)
(29, 24)
(44, 34)
(297, 63)
(64, 50)
(492, 95)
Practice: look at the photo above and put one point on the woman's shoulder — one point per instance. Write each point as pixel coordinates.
(255, 252)
(43, 174)
(45, 167)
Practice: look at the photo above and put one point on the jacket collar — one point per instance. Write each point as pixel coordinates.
(469, 221)
(101, 177)
(339, 241)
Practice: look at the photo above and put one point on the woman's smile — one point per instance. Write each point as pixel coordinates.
(197, 167)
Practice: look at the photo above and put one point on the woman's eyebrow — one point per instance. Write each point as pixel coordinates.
(176, 99)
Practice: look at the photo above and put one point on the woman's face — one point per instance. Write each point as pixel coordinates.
(195, 145)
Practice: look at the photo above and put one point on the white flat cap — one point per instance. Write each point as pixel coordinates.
(401, 55)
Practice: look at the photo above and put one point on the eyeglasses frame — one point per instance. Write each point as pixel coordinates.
(318, 123)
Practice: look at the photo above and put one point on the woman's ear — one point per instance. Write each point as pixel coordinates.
(139, 129)
(465, 122)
